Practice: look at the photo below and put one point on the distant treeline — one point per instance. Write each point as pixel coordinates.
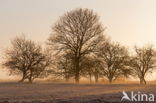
(78, 47)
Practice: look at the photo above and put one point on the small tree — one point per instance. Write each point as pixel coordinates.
(64, 66)
(26, 58)
(114, 59)
(92, 68)
(97, 69)
(77, 31)
(87, 65)
(143, 62)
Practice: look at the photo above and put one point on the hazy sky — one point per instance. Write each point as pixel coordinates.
(128, 21)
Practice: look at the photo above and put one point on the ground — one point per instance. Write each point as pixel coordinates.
(67, 93)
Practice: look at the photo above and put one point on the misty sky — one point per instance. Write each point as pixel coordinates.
(130, 22)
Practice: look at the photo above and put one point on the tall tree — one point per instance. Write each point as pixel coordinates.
(114, 59)
(143, 62)
(77, 31)
(26, 58)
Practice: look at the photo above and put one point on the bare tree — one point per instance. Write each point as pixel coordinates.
(26, 58)
(92, 68)
(64, 66)
(77, 31)
(114, 59)
(87, 65)
(97, 69)
(143, 62)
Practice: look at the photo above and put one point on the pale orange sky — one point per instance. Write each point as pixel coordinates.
(130, 22)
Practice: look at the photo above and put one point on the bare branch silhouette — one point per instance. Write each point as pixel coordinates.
(26, 58)
(114, 59)
(143, 62)
(77, 31)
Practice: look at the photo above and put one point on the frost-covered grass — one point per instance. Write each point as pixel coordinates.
(63, 92)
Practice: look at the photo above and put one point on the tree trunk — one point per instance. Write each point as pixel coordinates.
(30, 80)
(23, 78)
(90, 78)
(142, 80)
(110, 80)
(96, 78)
(77, 77)
(77, 70)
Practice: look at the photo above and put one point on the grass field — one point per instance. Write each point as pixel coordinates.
(67, 93)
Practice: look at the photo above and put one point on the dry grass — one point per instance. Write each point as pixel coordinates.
(62, 91)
